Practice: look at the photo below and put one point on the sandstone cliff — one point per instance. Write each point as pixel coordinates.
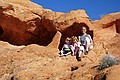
(39, 34)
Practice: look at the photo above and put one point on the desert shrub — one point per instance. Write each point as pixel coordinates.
(107, 61)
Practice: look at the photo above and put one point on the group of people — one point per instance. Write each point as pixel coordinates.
(77, 45)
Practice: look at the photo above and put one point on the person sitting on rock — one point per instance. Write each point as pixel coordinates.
(66, 47)
(74, 45)
(86, 40)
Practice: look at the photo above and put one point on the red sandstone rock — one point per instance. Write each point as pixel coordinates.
(114, 73)
(24, 22)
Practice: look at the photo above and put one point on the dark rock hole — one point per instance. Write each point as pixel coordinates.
(12, 78)
(74, 68)
(43, 38)
(101, 76)
(104, 77)
(1, 31)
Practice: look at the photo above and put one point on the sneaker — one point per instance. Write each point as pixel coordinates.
(79, 59)
(86, 52)
(72, 54)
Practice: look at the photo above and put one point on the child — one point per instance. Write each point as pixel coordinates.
(66, 47)
(74, 45)
(76, 48)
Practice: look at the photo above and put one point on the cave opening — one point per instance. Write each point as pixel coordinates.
(46, 38)
(42, 37)
(74, 30)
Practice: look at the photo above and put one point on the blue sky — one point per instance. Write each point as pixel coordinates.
(94, 8)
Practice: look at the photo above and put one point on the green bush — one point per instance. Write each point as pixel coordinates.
(107, 61)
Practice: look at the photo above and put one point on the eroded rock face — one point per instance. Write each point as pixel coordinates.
(23, 25)
(108, 23)
(107, 32)
(24, 22)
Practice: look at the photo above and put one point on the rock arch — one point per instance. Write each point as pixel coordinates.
(74, 30)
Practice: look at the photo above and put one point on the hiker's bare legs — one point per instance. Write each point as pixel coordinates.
(80, 52)
(89, 45)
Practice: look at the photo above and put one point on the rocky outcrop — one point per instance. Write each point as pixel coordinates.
(108, 24)
(34, 62)
(43, 31)
(24, 22)
(107, 32)
(107, 20)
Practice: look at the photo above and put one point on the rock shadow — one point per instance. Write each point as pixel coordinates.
(41, 35)
(26, 35)
(1, 30)
(118, 26)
